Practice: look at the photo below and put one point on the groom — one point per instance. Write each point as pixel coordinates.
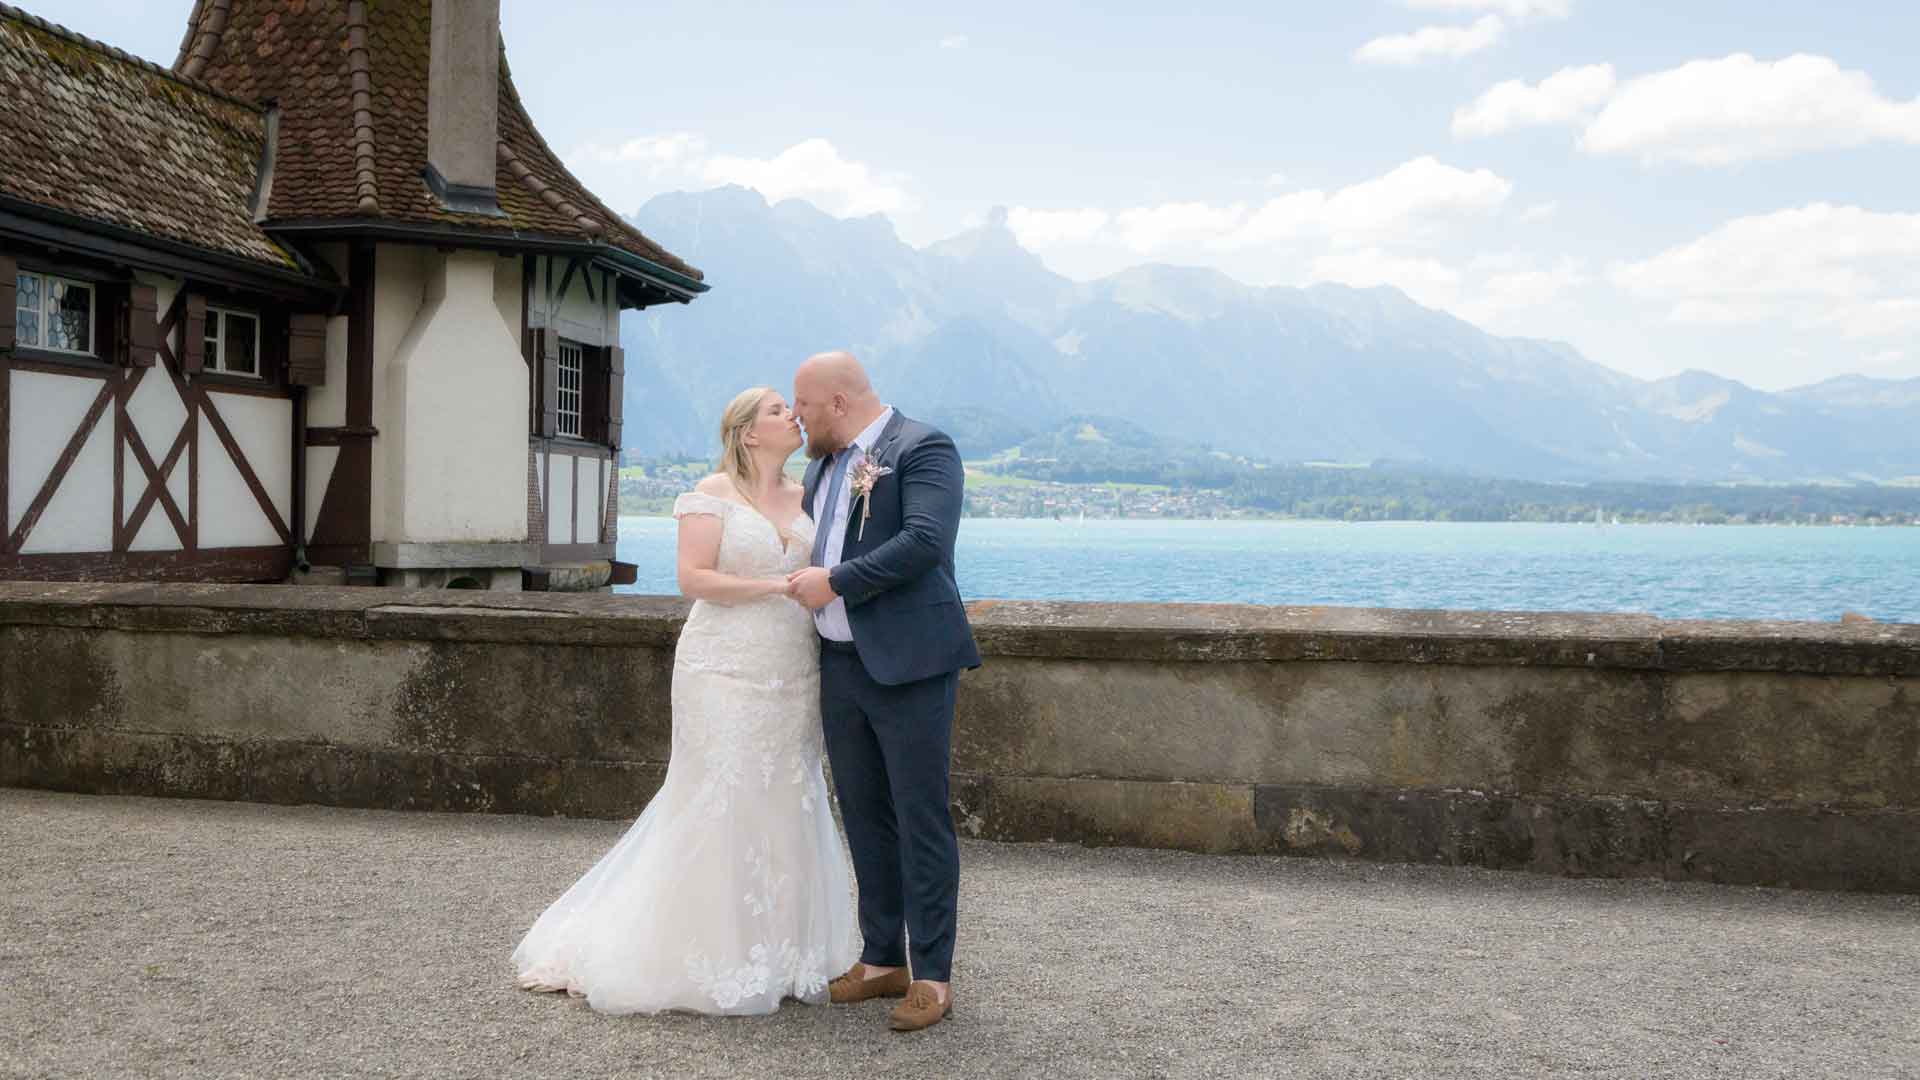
(884, 493)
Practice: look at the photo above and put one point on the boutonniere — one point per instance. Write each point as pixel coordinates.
(865, 475)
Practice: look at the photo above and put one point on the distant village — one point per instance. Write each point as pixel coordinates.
(648, 488)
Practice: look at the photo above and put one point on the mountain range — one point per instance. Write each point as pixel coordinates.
(975, 333)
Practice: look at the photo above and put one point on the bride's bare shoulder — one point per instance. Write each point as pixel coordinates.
(716, 485)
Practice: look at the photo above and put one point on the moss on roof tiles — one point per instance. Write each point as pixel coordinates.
(93, 132)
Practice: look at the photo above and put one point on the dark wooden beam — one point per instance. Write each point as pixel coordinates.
(232, 565)
(51, 364)
(156, 492)
(566, 279)
(343, 528)
(554, 554)
(120, 425)
(338, 436)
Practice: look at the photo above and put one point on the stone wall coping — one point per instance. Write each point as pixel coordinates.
(1009, 628)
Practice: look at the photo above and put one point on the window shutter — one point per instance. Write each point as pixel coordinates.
(549, 383)
(307, 350)
(9, 286)
(111, 316)
(616, 383)
(193, 343)
(142, 333)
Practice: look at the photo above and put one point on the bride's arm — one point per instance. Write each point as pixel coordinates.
(699, 553)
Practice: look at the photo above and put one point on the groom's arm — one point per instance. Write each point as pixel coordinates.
(931, 485)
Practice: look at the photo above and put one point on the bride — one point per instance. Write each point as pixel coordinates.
(732, 890)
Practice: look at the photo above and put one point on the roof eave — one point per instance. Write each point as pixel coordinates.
(117, 243)
(676, 286)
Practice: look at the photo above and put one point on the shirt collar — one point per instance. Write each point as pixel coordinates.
(865, 440)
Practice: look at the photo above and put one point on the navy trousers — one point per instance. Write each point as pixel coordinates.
(891, 749)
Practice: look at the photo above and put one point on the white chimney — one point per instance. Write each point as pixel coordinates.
(463, 104)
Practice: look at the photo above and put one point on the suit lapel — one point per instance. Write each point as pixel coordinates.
(883, 446)
(808, 484)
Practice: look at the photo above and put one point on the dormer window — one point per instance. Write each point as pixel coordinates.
(233, 342)
(53, 313)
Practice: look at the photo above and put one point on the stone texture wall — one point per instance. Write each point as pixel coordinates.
(1769, 753)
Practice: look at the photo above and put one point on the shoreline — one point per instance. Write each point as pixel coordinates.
(1285, 519)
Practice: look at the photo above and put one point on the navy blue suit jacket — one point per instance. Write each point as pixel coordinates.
(902, 600)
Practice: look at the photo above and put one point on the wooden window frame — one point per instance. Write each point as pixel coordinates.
(39, 347)
(571, 358)
(602, 380)
(216, 325)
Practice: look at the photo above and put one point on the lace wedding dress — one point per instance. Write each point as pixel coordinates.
(733, 889)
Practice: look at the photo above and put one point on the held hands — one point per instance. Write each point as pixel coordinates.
(811, 587)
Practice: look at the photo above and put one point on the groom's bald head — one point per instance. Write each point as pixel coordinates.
(836, 371)
(834, 400)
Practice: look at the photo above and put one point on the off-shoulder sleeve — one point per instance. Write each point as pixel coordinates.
(699, 502)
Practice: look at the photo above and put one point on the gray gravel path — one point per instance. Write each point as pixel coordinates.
(143, 937)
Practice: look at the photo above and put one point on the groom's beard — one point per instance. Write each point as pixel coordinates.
(818, 446)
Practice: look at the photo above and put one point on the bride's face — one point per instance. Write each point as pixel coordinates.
(775, 428)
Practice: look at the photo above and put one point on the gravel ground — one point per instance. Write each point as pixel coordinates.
(144, 937)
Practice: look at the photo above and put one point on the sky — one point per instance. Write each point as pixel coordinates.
(1709, 184)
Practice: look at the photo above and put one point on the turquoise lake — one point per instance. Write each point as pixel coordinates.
(1676, 571)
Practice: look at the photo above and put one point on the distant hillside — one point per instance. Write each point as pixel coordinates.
(976, 334)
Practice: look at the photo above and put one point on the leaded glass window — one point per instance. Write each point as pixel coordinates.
(26, 311)
(69, 317)
(53, 313)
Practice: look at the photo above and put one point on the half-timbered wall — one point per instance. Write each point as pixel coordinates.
(574, 479)
(132, 463)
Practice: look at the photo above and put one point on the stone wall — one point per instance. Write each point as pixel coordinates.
(1769, 753)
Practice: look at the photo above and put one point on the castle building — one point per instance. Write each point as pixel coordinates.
(316, 303)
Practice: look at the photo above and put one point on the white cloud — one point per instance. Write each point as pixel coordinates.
(1036, 229)
(1419, 189)
(1568, 95)
(625, 174)
(652, 155)
(1736, 109)
(1519, 9)
(954, 41)
(1395, 206)
(1431, 41)
(1835, 269)
(1149, 229)
(1403, 204)
(1540, 211)
(1894, 316)
(1276, 179)
(815, 171)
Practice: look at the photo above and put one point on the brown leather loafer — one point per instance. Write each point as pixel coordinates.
(854, 986)
(922, 1009)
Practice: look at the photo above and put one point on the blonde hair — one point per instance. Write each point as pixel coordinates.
(736, 457)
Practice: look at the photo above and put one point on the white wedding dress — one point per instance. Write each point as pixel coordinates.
(733, 889)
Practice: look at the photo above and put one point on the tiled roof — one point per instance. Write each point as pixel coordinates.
(90, 131)
(350, 79)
